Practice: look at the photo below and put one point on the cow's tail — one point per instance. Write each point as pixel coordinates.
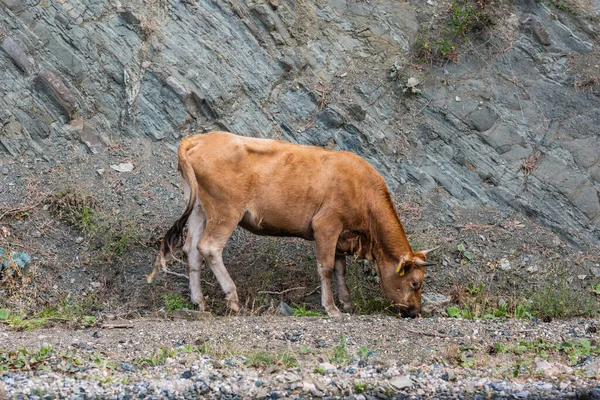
(175, 232)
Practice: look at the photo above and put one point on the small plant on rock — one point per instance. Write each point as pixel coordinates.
(408, 85)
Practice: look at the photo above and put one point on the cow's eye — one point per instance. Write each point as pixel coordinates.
(415, 285)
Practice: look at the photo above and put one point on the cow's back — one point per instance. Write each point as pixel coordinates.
(279, 187)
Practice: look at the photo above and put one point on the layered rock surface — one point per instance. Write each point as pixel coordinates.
(504, 127)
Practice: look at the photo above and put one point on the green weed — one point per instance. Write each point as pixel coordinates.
(360, 387)
(302, 311)
(558, 300)
(320, 370)
(264, 359)
(575, 351)
(340, 352)
(173, 302)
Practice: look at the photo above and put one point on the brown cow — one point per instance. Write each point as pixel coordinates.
(274, 188)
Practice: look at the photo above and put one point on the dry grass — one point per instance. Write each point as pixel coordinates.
(531, 163)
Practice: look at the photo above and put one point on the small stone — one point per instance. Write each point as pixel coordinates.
(563, 385)
(327, 366)
(127, 367)
(401, 382)
(123, 167)
(100, 171)
(523, 394)
(95, 284)
(285, 310)
(505, 265)
(581, 277)
(4, 171)
(79, 240)
(412, 82)
(308, 387)
(186, 374)
(457, 98)
(532, 269)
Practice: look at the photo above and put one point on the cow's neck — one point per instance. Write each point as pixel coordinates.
(387, 234)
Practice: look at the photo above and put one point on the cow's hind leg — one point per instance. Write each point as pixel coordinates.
(196, 225)
(326, 236)
(340, 275)
(211, 247)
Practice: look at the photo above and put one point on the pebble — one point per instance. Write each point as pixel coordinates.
(401, 382)
(4, 171)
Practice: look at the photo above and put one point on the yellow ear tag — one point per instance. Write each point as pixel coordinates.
(400, 269)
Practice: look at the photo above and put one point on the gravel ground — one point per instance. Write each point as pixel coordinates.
(357, 357)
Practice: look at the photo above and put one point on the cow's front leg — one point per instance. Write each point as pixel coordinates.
(326, 235)
(340, 275)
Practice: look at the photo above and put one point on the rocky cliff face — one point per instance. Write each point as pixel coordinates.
(514, 124)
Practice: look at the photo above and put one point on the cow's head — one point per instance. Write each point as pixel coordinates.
(403, 283)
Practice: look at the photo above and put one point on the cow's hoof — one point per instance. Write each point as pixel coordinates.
(335, 314)
(234, 306)
(348, 308)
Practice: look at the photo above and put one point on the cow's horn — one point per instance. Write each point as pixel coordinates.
(422, 263)
(425, 252)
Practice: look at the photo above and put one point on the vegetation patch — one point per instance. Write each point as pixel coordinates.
(340, 352)
(265, 359)
(462, 19)
(302, 311)
(173, 302)
(12, 271)
(111, 236)
(475, 302)
(75, 312)
(558, 300)
(48, 359)
(574, 350)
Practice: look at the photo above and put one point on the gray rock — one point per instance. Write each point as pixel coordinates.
(54, 86)
(433, 303)
(17, 55)
(401, 382)
(482, 119)
(285, 310)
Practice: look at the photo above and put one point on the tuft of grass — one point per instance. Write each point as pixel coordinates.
(109, 235)
(364, 353)
(559, 300)
(158, 357)
(464, 17)
(476, 303)
(75, 311)
(574, 350)
(566, 6)
(320, 370)
(302, 311)
(340, 352)
(74, 207)
(264, 359)
(173, 302)
(360, 387)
